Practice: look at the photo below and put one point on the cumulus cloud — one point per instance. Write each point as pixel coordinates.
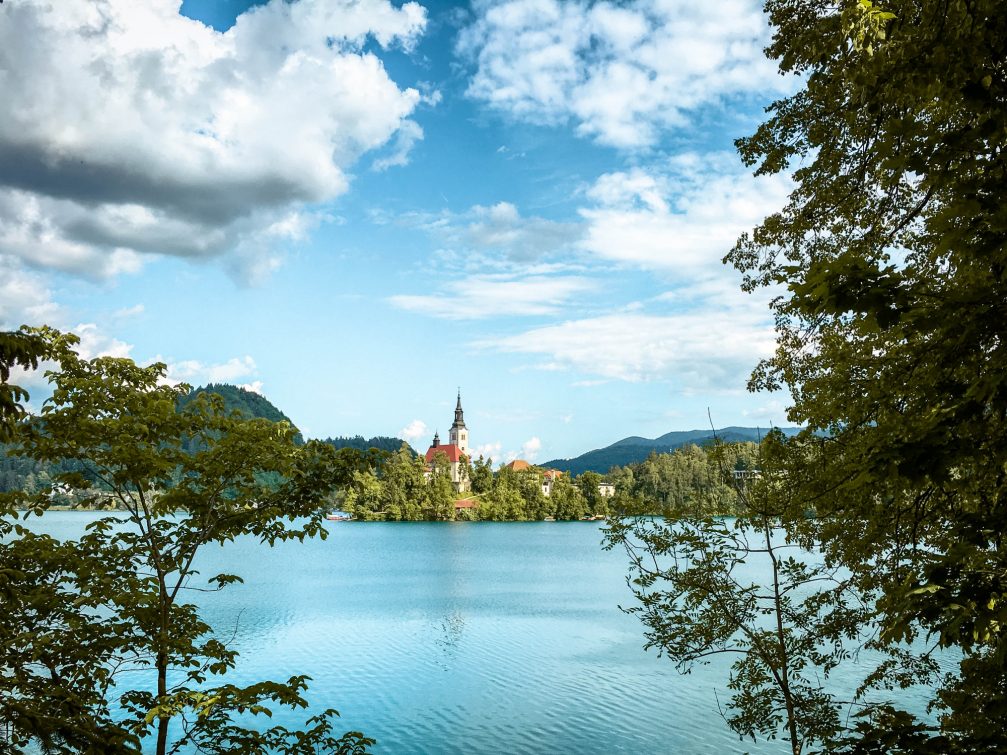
(530, 448)
(481, 296)
(24, 296)
(682, 216)
(129, 129)
(415, 430)
(195, 372)
(488, 450)
(623, 73)
(708, 349)
(95, 342)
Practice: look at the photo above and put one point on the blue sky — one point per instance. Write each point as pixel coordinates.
(358, 207)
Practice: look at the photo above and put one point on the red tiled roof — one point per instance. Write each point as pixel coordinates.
(466, 503)
(450, 450)
(519, 465)
(552, 473)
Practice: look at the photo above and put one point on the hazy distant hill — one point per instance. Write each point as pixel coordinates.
(635, 449)
(248, 403)
(19, 473)
(252, 404)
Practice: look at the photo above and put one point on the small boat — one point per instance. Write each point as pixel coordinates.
(338, 517)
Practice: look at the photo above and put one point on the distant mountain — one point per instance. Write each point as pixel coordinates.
(248, 403)
(635, 449)
(251, 404)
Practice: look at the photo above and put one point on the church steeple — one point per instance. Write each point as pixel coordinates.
(459, 434)
(459, 415)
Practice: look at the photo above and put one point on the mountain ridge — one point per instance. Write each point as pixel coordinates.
(635, 448)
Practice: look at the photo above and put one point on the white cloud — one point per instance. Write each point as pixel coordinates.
(25, 299)
(94, 342)
(488, 451)
(495, 233)
(414, 431)
(500, 228)
(773, 412)
(708, 349)
(195, 372)
(528, 452)
(622, 73)
(408, 134)
(128, 313)
(129, 129)
(530, 448)
(255, 386)
(682, 217)
(481, 296)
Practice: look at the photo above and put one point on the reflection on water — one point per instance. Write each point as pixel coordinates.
(450, 636)
(462, 638)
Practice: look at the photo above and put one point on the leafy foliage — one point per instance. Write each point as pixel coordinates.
(17, 349)
(401, 487)
(691, 574)
(378, 442)
(81, 614)
(891, 337)
(690, 481)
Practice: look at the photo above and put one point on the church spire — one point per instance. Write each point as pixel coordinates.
(459, 434)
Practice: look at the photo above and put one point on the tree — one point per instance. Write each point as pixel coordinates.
(84, 612)
(566, 499)
(892, 334)
(692, 575)
(588, 483)
(17, 349)
(439, 494)
(482, 475)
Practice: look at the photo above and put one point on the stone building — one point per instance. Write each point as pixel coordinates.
(455, 451)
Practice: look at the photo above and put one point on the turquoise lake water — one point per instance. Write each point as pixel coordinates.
(462, 638)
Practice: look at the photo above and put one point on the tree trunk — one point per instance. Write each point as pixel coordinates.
(162, 693)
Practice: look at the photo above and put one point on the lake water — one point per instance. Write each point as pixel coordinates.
(461, 638)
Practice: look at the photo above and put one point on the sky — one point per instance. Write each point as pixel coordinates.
(358, 207)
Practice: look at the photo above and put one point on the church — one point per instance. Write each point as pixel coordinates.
(456, 450)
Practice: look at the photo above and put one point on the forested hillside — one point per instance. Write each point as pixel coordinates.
(17, 473)
(380, 442)
(690, 481)
(635, 449)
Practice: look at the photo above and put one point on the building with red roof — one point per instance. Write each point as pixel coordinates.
(455, 452)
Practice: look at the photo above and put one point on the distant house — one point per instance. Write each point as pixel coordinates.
(606, 489)
(466, 503)
(549, 476)
(456, 450)
(518, 465)
(743, 475)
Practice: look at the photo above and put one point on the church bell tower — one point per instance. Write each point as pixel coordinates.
(459, 435)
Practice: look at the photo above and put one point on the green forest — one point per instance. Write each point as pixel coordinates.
(691, 481)
(18, 472)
